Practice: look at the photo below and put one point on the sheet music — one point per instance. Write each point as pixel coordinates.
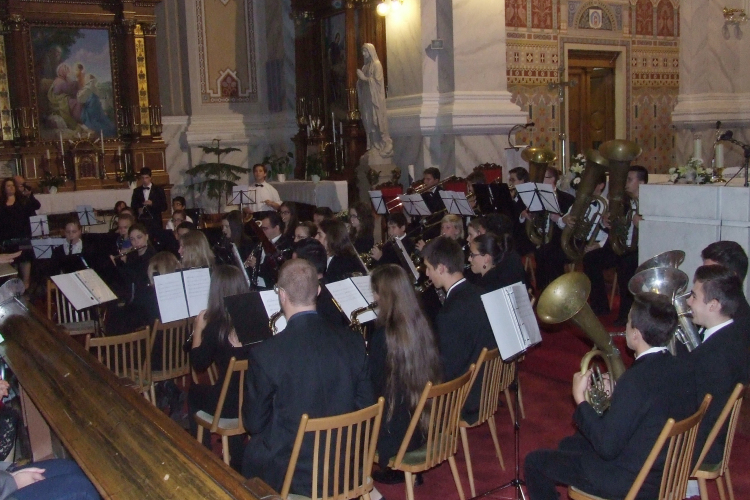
(349, 298)
(538, 197)
(170, 295)
(376, 197)
(197, 285)
(86, 215)
(414, 204)
(271, 303)
(96, 285)
(83, 289)
(39, 226)
(407, 259)
(364, 285)
(512, 319)
(43, 246)
(456, 203)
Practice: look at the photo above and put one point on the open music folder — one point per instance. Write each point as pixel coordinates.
(250, 313)
(84, 289)
(512, 319)
(353, 293)
(182, 294)
(456, 203)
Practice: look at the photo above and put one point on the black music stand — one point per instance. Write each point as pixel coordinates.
(376, 197)
(456, 203)
(43, 246)
(244, 197)
(87, 216)
(39, 226)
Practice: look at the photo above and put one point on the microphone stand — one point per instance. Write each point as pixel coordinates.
(746, 150)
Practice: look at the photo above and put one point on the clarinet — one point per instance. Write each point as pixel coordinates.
(254, 275)
(238, 262)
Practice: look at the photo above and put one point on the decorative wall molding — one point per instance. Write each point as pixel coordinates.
(705, 109)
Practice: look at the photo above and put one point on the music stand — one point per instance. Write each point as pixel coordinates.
(86, 216)
(39, 226)
(243, 195)
(414, 205)
(456, 203)
(43, 246)
(376, 197)
(502, 199)
(485, 197)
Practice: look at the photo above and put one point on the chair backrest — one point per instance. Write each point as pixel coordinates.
(360, 430)
(681, 441)
(732, 412)
(175, 362)
(491, 171)
(128, 356)
(445, 402)
(235, 366)
(497, 377)
(458, 184)
(60, 310)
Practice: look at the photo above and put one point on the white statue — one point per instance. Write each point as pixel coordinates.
(371, 94)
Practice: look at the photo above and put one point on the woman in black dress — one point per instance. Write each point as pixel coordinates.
(288, 212)
(493, 258)
(215, 341)
(403, 358)
(362, 227)
(15, 211)
(343, 259)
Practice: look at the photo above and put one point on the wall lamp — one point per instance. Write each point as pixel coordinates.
(387, 6)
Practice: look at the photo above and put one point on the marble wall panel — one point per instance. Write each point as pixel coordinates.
(407, 47)
(478, 55)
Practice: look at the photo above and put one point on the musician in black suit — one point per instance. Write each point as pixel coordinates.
(266, 268)
(314, 252)
(431, 193)
(606, 454)
(462, 325)
(730, 255)
(389, 253)
(74, 254)
(149, 201)
(343, 261)
(310, 367)
(550, 258)
(516, 176)
(722, 359)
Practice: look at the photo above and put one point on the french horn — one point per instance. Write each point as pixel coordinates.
(538, 229)
(620, 154)
(580, 234)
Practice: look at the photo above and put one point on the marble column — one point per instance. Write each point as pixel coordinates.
(449, 108)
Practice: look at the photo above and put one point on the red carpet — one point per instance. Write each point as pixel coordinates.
(545, 377)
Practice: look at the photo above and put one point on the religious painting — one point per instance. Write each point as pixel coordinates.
(334, 63)
(595, 18)
(73, 72)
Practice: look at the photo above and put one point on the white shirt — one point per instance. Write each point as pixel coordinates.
(328, 261)
(77, 248)
(714, 329)
(170, 224)
(631, 229)
(263, 191)
(146, 192)
(454, 286)
(651, 350)
(595, 205)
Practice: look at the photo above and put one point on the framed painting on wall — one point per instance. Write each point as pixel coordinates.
(334, 63)
(75, 91)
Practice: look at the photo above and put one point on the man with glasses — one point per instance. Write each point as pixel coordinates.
(266, 268)
(311, 367)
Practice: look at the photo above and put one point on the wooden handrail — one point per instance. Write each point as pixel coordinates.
(126, 446)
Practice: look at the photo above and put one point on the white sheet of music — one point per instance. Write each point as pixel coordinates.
(170, 294)
(456, 203)
(349, 298)
(538, 197)
(271, 303)
(197, 286)
(39, 226)
(512, 319)
(414, 204)
(407, 259)
(376, 197)
(43, 246)
(364, 285)
(83, 289)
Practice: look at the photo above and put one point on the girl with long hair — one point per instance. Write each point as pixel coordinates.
(215, 341)
(232, 231)
(15, 210)
(362, 227)
(492, 258)
(403, 358)
(195, 251)
(288, 212)
(343, 259)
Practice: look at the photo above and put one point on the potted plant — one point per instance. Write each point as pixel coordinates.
(51, 182)
(218, 178)
(279, 166)
(130, 177)
(315, 166)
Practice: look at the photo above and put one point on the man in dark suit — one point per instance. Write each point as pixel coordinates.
(268, 267)
(389, 253)
(519, 175)
(730, 255)
(311, 367)
(431, 194)
(149, 201)
(462, 325)
(606, 454)
(722, 360)
(314, 252)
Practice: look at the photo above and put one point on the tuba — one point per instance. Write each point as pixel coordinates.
(577, 236)
(619, 154)
(565, 299)
(537, 225)
(674, 283)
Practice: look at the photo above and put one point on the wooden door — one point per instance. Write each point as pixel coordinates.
(591, 104)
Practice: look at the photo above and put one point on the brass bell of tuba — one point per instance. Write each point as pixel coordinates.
(565, 299)
(671, 258)
(539, 159)
(580, 234)
(619, 154)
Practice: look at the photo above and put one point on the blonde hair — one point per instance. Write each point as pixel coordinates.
(458, 224)
(162, 263)
(196, 251)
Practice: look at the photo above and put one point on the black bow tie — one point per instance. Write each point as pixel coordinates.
(146, 188)
(259, 185)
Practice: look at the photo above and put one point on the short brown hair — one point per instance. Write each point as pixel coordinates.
(446, 251)
(299, 279)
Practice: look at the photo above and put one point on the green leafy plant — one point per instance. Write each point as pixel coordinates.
(48, 180)
(279, 164)
(218, 178)
(315, 165)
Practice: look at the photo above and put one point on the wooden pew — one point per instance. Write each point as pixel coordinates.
(125, 445)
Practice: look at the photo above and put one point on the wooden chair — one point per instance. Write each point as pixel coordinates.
(62, 312)
(361, 436)
(720, 471)
(174, 360)
(225, 427)
(681, 436)
(529, 266)
(493, 382)
(213, 374)
(128, 356)
(444, 403)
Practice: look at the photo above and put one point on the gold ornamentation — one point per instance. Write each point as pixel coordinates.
(6, 131)
(141, 72)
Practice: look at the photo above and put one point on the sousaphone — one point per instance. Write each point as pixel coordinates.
(536, 226)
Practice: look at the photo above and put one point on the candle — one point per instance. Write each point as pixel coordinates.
(48, 156)
(119, 151)
(341, 129)
(719, 156)
(101, 137)
(697, 153)
(62, 145)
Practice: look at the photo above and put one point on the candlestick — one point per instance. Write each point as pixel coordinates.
(333, 126)
(62, 145)
(48, 156)
(341, 129)
(101, 138)
(719, 156)
(119, 151)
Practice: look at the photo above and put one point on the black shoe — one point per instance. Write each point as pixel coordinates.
(388, 476)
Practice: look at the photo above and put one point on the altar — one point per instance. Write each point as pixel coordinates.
(331, 194)
(99, 199)
(688, 217)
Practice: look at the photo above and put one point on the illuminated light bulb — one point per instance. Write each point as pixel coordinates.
(383, 8)
(395, 5)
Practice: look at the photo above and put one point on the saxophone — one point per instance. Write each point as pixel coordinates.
(272, 321)
(354, 318)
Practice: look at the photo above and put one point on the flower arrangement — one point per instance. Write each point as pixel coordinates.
(577, 166)
(692, 173)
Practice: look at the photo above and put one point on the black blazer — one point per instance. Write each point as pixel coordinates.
(433, 200)
(719, 363)
(151, 216)
(62, 263)
(364, 243)
(523, 244)
(463, 330)
(646, 395)
(342, 267)
(269, 270)
(390, 252)
(310, 367)
(508, 272)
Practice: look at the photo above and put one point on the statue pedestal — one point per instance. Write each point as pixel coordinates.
(383, 166)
